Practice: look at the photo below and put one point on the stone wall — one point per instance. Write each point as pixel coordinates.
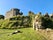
(11, 13)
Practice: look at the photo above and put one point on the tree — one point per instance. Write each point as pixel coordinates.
(1, 17)
(51, 15)
(46, 15)
(31, 16)
(21, 13)
(30, 13)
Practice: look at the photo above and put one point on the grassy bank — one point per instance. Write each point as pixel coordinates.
(27, 34)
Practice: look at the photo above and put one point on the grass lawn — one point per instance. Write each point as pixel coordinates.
(27, 34)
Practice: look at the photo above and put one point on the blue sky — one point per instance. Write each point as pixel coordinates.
(27, 5)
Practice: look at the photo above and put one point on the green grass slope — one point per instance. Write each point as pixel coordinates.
(27, 34)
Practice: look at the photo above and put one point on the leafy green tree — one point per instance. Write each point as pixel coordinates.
(1, 17)
(46, 15)
(47, 22)
(31, 17)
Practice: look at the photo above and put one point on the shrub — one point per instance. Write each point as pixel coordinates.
(47, 22)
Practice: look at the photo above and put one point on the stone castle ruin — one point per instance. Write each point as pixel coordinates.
(12, 12)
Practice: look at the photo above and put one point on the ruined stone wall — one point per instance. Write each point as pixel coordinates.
(11, 13)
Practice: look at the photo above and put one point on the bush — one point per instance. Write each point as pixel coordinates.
(16, 22)
(47, 22)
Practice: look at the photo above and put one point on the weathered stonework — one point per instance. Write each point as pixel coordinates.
(12, 12)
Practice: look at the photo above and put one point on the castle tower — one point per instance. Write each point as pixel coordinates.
(12, 12)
